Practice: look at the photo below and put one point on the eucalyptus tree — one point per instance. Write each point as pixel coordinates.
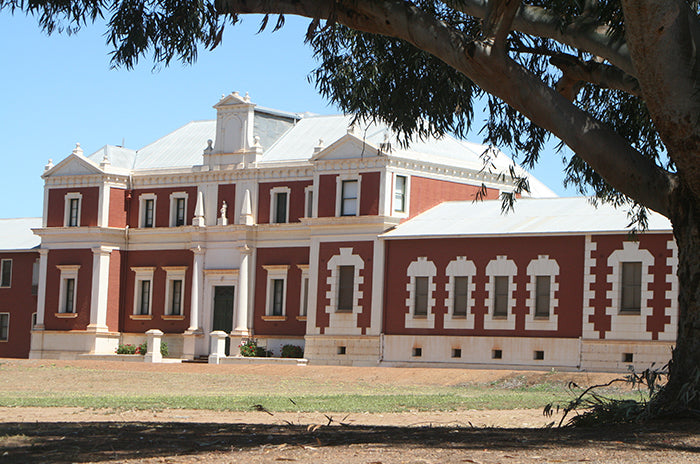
(616, 81)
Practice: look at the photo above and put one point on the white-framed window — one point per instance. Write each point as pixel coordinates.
(500, 288)
(276, 290)
(421, 288)
(71, 209)
(147, 210)
(5, 273)
(309, 202)
(35, 277)
(4, 327)
(279, 205)
(33, 320)
(344, 321)
(304, 297)
(460, 287)
(68, 290)
(175, 290)
(542, 284)
(178, 209)
(400, 193)
(143, 290)
(630, 294)
(347, 196)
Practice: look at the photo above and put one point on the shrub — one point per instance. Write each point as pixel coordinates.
(164, 349)
(292, 351)
(141, 349)
(126, 349)
(250, 349)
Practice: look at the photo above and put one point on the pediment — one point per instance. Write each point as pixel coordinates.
(348, 146)
(233, 99)
(73, 165)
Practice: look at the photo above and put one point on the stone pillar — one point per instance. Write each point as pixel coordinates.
(100, 287)
(153, 355)
(41, 291)
(218, 346)
(195, 302)
(241, 320)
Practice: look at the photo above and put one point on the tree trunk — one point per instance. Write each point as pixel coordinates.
(683, 389)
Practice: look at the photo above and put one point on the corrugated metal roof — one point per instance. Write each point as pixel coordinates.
(16, 234)
(119, 157)
(180, 148)
(531, 216)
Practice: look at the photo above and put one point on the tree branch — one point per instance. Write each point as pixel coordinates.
(575, 72)
(603, 149)
(539, 22)
(498, 20)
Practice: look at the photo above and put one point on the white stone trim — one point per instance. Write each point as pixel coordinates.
(501, 266)
(421, 267)
(344, 322)
(173, 208)
(671, 329)
(2, 266)
(142, 203)
(304, 275)
(460, 267)
(276, 272)
(629, 326)
(66, 207)
(100, 288)
(588, 329)
(173, 273)
(309, 191)
(339, 192)
(68, 271)
(542, 266)
(142, 274)
(273, 204)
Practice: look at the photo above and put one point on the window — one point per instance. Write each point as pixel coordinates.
(279, 205)
(500, 304)
(147, 204)
(304, 308)
(346, 286)
(349, 195)
(69, 296)
(6, 273)
(309, 202)
(67, 291)
(543, 284)
(631, 294)
(175, 279)
(178, 209)
(4, 326)
(276, 290)
(35, 277)
(420, 307)
(143, 292)
(461, 295)
(400, 194)
(71, 217)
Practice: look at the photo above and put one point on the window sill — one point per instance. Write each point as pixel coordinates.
(499, 318)
(542, 318)
(344, 311)
(140, 317)
(420, 316)
(459, 316)
(172, 317)
(630, 313)
(274, 318)
(301, 318)
(66, 315)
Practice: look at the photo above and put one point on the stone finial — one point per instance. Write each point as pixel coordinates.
(247, 210)
(77, 150)
(198, 220)
(210, 147)
(247, 97)
(319, 147)
(223, 220)
(256, 141)
(105, 161)
(48, 165)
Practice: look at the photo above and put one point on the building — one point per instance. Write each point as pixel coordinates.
(326, 232)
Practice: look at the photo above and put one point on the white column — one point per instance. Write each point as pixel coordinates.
(41, 291)
(198, 265)
(153, 355)
(241, 326)
(218, 346)
(100, 287)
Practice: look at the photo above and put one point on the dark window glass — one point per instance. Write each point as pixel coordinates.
(420, 307)
(631, 288)
(4, 327)
(69, 304)
(176, 306)
(148, 213)
(461, 291)
(500, 306)
(542, 296)
(305, 301)
(179, 211)
(145, 298)
(310, 204)
(400, 194)
(281, 207)
(277, 296)
(73, 212)
(6, 273)
(346, 284)
(348, 206)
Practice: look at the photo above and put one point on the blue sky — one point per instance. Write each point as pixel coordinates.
(60, 90)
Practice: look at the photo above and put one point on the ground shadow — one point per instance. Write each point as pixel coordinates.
(102, 441)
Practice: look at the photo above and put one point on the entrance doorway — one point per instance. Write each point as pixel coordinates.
(223, 312)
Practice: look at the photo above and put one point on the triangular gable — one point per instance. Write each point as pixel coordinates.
(73, 165)
(348, 146)
(233, 99)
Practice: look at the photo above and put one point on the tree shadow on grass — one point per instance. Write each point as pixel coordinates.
(103, 441)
